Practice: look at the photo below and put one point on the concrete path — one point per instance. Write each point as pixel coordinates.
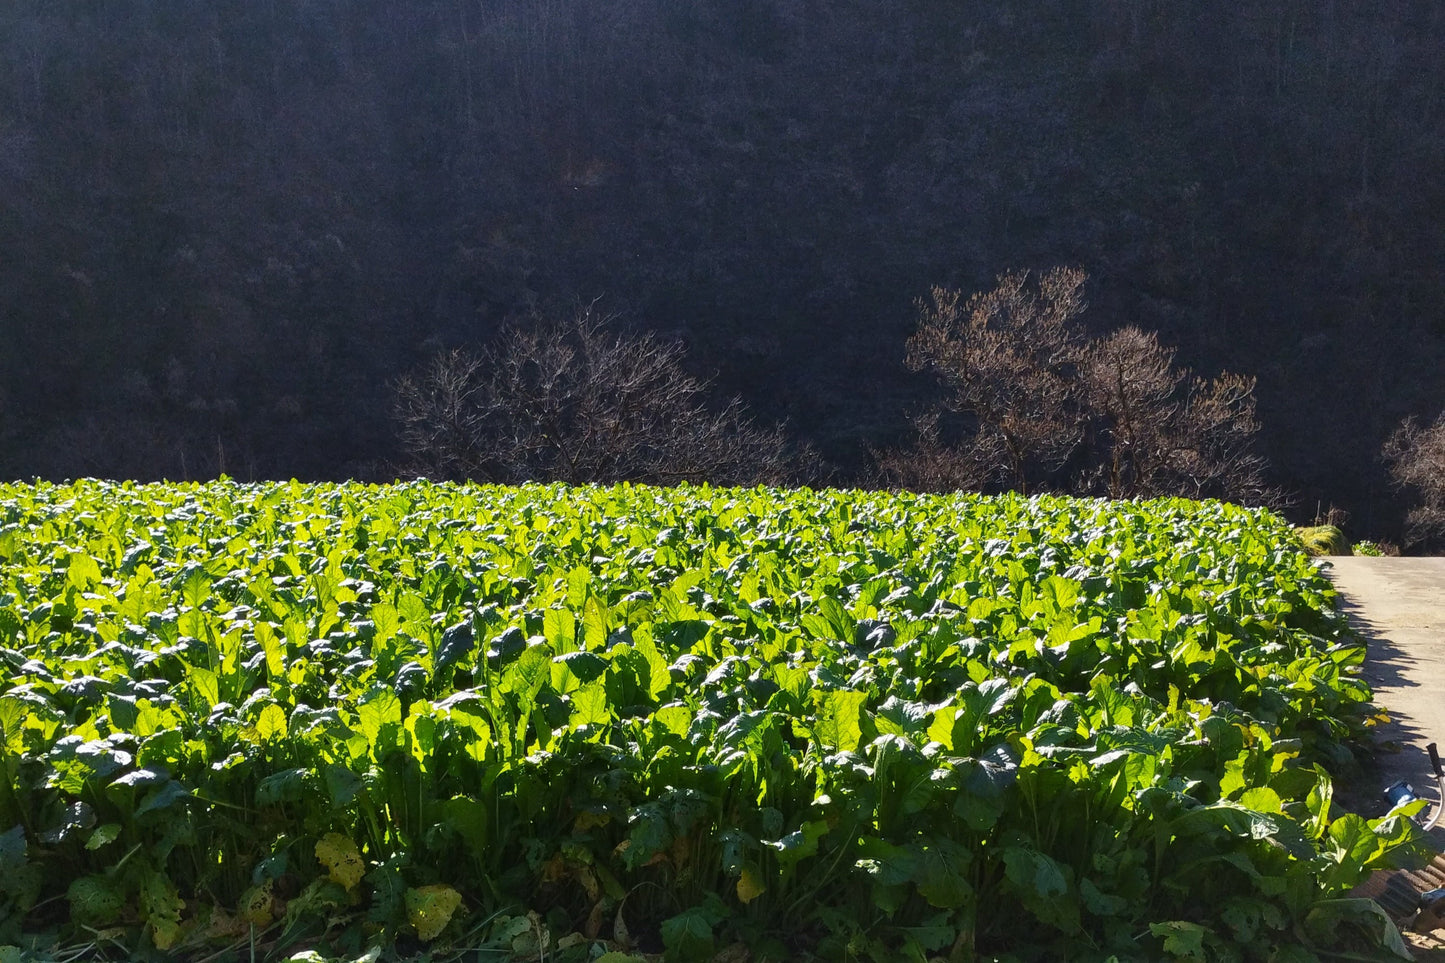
(1398, 604)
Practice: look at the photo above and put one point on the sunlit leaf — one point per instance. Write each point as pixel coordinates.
(341, 858)
(430, 909)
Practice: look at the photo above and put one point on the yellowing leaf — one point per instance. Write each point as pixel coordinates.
(430, 909)
(221, 925)
(255, 905)
(342, 860)
(162, 906)
(750, 885)
(588, 819)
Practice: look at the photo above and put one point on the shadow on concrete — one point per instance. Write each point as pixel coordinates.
(1399, 742)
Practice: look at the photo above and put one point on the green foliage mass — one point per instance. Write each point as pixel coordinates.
(565, 722)
(1324, 540)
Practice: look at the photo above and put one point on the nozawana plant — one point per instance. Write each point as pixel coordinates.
(583, 723)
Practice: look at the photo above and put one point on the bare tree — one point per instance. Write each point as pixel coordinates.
(1215, 456)
(1006, 359)
(1159, 431)
(935, 465)
(579, 402)
(1128, 381)
(1045, 406)
(440, 415)
(1416, 457)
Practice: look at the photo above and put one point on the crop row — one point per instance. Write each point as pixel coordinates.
(549, 720)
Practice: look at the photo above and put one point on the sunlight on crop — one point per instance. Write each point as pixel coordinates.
(638, 720)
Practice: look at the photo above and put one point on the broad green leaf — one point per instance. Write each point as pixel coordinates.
(688, 936)
(471, 820)
(676, 719)
(595, 623)
(205, 684)
(505, 647)
(1327, 915)
(83, 571)
(274, 646)
(589, 706)
(103, 835)
(839, 724)
(271, 723)
(457, 645)
(386, 618)
(578, 587)
(559, 628)
(12, 715)
(941, 874)
(580, 667)
(96, 900)
(801, 843)
(1100, 903)
(1263, 799)
(286, 786)
(379, 708)
(195, 589)
(1034, 872)
(163, 796)
(1182, 940)
(659, 679)
(525, 677)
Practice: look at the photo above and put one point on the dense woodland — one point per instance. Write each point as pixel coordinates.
(230, 227)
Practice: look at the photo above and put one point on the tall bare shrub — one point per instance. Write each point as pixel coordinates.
(1042, 405)
(1157, 430)
(1006, 360)
(1416, 456)
(579, 402)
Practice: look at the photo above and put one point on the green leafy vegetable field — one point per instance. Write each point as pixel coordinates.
(574, 724)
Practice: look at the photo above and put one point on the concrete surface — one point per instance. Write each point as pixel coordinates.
(1398, 604)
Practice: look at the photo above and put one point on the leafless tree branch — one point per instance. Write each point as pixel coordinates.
(579, 402)
(1044, 406)
(1416, 457)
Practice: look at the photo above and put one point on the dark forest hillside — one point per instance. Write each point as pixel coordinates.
(228, 226)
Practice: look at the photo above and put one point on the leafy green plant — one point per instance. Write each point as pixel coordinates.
(579, 721)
